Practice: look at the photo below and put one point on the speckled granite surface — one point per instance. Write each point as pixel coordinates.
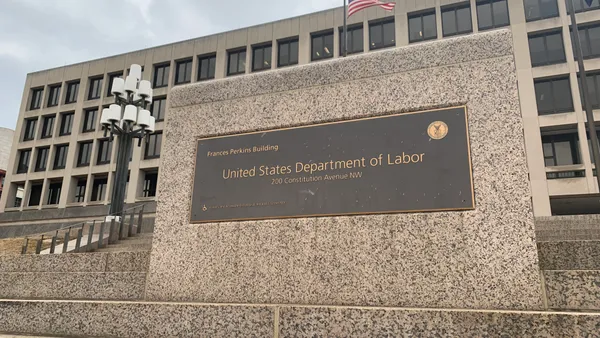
(573, 290)
(484, 259)
(88, 262)
(569, 255)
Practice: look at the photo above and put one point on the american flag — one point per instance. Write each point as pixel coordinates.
(357, 5)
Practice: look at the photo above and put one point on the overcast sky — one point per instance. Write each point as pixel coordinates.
(42, 34)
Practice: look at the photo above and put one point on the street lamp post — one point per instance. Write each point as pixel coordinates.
(127, 119)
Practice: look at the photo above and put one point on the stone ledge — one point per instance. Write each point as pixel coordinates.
(569, 255)
(573, 290)
(88, 262)
(141, 319)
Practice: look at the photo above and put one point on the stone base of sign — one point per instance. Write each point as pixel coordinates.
(480, 259)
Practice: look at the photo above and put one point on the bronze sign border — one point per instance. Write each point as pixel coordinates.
(472, 207)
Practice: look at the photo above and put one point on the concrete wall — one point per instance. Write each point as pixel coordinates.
(6, 141)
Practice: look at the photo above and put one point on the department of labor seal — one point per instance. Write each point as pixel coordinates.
(437, 130)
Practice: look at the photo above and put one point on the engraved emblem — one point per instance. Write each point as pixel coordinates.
(204, 208)
(437, 130)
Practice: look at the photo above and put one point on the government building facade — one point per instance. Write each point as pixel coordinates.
(61, 159)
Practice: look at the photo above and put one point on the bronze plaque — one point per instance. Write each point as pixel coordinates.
(411, 162)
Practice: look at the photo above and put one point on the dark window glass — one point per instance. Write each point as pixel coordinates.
(183, 72)
(159, 105)
(80, 190)
(35, 194)
(382, 34)
(48, 126)
(150, 181)
(29, 129)
(492, 14)
(66, 124)
(54, 96)
(590, 40)
(288, 53)
(72, 92)
(36, 98)
(60, 156)
(85, 154)
(236, 62)
(99, 189)
(161, 75)
(546, 48)
(582, 6)
(322, 46)
(593, 83)
(206, 67)
(540, 9)
(553, 96)
(42, 159)
(95, 88)
(422, 26)
(153, 146)
(111, 77)
(54, 193)
(104, 151)
(355, 39)
(261, 57)
(23, 165)
(456, 19)
(89, 120)
(560, 149)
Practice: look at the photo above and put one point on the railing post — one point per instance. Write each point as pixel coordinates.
(66, 243)
(131, 221)
(78, 242)
(90, 234)
(140, 220)
(101, 235)
(53, 244)
(25, 244)
(38, 246)
(122, 226)
(111, 234)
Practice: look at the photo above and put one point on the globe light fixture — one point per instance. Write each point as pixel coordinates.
(127, 119)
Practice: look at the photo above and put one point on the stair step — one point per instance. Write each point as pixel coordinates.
(117, 248)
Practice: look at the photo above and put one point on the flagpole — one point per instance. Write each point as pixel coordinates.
(345, 37)
(587, 104)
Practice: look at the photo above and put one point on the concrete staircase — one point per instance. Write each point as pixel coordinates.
(139, 242)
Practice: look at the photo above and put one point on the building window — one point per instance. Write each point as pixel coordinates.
(153, 146)
(422, 26)
(590, 40)
(111, 78)
(560, 149)
(99, 189)
(492, 14)
(355, 39)
(29, 129)
(593, 83)
(540, 9)
(581, 6)
(288, 53)
(54, 193)
(236, 62)
(89, 120)
(546, 48)
(183, 72)
(104, 151)
(48, 126)
(66, 124)
(85, 154)
(42, 159)
(382, 34)
(457, 19)
(80, 190)
(95, 88)
(261, 57)
(158, 108)
(23, 165)
(150, 181)
(54, 96)
(60, 156)
(72, 92)
(36, 98)
(161, 75)
(322, 45)
(206, 67)
(553, 96)
(35, 194)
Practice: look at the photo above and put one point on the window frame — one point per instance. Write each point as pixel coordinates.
(99, 190)
(79, 196)
(30, 129)
(288, 42)
(56, 194)
(23, 163)
(156, 152)
(53, 89)
(596, 76)
(70, 116)
(187, 61)
(421, 15)
(237, 52)
(574, 143)
(39, 193)
(381, 23)
(95, 86)
(149, 186)
(491, 3)
(586, 39)
(99, 156)
(583, 6)
(86, 113)
(89, 145)
(61, 152)
(165, 77)
(263, 47)
(321, 35)
(541, 17)
(351, 29)
(37, 97)
(211, 57)
(111, 78)
(160, 117)
(455, 8)
(39, 167)
(545, 35)
(551, 81)
(72, 92)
